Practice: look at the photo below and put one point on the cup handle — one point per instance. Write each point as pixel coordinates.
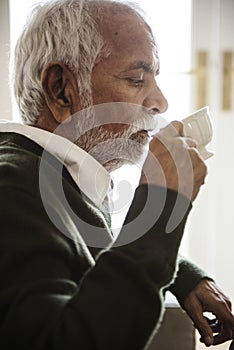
(204, 152)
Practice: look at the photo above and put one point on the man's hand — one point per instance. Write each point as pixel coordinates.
(208, 297)
(174, 162)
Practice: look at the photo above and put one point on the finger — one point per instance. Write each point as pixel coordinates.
(188, 141)
(225, 335)
(200, 322)
(221, 308)
(224, 321)
(179, 126)
(215, 325)
(173, 129)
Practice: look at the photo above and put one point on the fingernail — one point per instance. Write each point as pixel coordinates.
(208, 341)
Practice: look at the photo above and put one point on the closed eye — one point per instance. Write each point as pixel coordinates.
(136, 82)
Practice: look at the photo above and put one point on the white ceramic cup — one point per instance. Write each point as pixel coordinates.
(199, 127)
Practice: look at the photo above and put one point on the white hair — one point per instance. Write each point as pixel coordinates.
(59, 30)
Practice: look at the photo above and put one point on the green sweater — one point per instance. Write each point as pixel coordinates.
(57, 292)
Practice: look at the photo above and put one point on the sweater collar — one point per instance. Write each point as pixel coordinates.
(89, 175)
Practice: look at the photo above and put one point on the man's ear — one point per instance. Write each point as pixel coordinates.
(60, 90)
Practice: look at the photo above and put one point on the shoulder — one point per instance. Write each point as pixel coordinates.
(18, 167)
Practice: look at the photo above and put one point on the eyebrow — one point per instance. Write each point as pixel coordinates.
(148, 68)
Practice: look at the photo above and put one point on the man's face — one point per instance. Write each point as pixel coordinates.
(128, 76)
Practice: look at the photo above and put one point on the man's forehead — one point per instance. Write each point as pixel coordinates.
(128, 35)
(146, 55)
(124, 24)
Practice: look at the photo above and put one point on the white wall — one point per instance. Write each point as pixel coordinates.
(211, 229)
(5, 102)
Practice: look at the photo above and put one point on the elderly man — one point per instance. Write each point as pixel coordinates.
(66, 284)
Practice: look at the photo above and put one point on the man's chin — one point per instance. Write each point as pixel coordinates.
(130, 159)
(114, 165)
(112, 153)
(142, 137)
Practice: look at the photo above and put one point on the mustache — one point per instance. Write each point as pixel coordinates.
(146, 121)
(95, 117)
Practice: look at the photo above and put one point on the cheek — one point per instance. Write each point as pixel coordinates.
(117, 95)
(106, 93)
(101, 95)
(114, 90)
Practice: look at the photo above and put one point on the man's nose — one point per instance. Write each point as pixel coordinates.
(156, 101)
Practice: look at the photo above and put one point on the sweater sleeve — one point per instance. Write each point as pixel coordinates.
(188, 276)
(153, 230)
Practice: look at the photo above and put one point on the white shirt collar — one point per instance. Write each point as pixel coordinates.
(90, 176)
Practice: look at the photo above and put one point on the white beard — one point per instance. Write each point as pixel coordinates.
(113, 148)
(117, 149)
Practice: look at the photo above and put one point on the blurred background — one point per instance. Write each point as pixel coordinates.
(196, 49)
